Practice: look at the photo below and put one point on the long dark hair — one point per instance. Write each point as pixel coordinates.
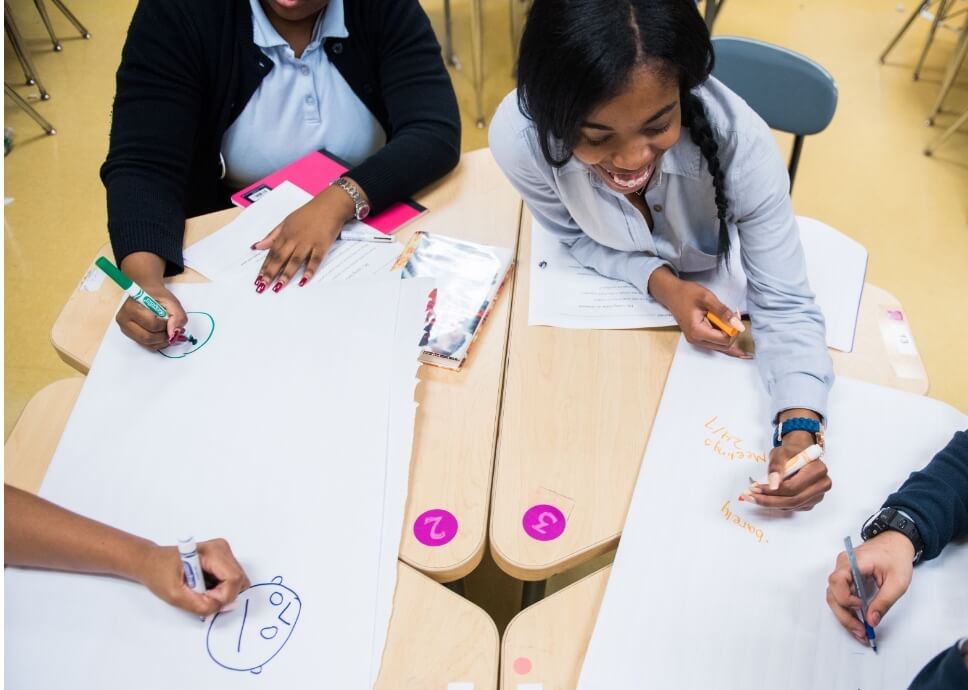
(578, 54)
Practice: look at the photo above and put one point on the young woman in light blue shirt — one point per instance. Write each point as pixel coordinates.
(650, 170)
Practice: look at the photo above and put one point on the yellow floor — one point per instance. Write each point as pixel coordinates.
(865, 175)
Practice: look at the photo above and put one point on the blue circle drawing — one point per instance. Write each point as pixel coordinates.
(248, 637)
(201, 326)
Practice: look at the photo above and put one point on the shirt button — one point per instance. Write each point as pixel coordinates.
(304, 70)
(309, 100)
(337, 48)
(657, 208)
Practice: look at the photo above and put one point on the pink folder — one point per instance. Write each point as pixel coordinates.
(313, 173)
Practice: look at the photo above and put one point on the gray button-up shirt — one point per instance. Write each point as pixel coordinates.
(604, 231)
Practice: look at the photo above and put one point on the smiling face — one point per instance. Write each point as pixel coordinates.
(295, 10)
(623, 139)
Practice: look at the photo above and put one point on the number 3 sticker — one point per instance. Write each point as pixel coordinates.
(543, 522)
(435, 527)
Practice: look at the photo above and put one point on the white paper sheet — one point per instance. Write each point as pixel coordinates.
(836, 268)
(565, 294)
(403, 408)
(226, 255)
(705, 592)
(274, 434)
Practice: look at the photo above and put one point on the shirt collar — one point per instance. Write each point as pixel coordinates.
(330, 24)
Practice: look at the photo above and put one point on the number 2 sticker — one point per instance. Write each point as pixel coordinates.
(435, 527)
(543, 522)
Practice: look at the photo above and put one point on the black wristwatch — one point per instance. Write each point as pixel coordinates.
(898, 521)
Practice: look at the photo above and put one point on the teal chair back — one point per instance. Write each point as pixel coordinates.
(792, 93)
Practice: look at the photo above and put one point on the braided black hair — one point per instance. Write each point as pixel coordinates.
(578, 54)
(694, 117)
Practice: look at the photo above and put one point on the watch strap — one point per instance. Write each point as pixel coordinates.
(799, 424)
(892, 519)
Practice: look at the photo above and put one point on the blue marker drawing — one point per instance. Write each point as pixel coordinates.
(249, 636)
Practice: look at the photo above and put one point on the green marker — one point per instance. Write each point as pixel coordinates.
(133, 290)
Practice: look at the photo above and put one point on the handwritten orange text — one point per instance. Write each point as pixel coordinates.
(755, 531)
(727, 445)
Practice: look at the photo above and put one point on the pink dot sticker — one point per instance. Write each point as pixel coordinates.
(435, 527)
(543, 522)
(895, 315)
(522, 665)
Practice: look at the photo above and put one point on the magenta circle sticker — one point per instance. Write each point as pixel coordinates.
(435, 527)
(543, 522)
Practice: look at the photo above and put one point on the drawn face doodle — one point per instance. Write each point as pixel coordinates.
(256, 629)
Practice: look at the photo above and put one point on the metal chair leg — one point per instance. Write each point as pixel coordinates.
(532, 592)
(957, 61)
(897, 36)
(711, 11)
(929, 151)
(477, 41)
(16, 40)
(939, 15)
(450, 57)
(42, 9)
(25, 68)
(29, 109)
(85, 34)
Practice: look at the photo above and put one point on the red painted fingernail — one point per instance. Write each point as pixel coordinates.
(260, 287)
(302, 281)
(277, 287)
(182, 339)
(253, 245)
(258, 279)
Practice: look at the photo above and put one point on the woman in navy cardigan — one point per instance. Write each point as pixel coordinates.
(210, 94)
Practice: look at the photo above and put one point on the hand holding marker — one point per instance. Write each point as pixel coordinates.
(861, 593)
(793, 465)
(734, 326)
(192, 566)
(137, 293)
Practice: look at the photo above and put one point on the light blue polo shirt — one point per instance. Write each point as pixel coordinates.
(302, 105)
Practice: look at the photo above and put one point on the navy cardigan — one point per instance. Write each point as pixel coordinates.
(188, 69)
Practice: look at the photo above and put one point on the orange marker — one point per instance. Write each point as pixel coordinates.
(721, 325)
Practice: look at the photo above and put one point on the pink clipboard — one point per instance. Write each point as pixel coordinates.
(313, 173)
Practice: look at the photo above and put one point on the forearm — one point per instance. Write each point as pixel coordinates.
(39, 534)
(144, 268)
(937, 497)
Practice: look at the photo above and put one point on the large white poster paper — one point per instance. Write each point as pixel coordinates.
(707, 593)
(274, 434)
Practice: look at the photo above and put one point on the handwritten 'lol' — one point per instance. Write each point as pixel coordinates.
(727, 445)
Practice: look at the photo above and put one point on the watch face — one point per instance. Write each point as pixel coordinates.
(363, 211)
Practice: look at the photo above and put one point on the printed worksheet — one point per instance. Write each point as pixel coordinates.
(565, 294)
(226, 256)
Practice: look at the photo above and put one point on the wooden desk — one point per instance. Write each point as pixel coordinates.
(578, 408)
(546, 643)
(457, 418)
(435, 636)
